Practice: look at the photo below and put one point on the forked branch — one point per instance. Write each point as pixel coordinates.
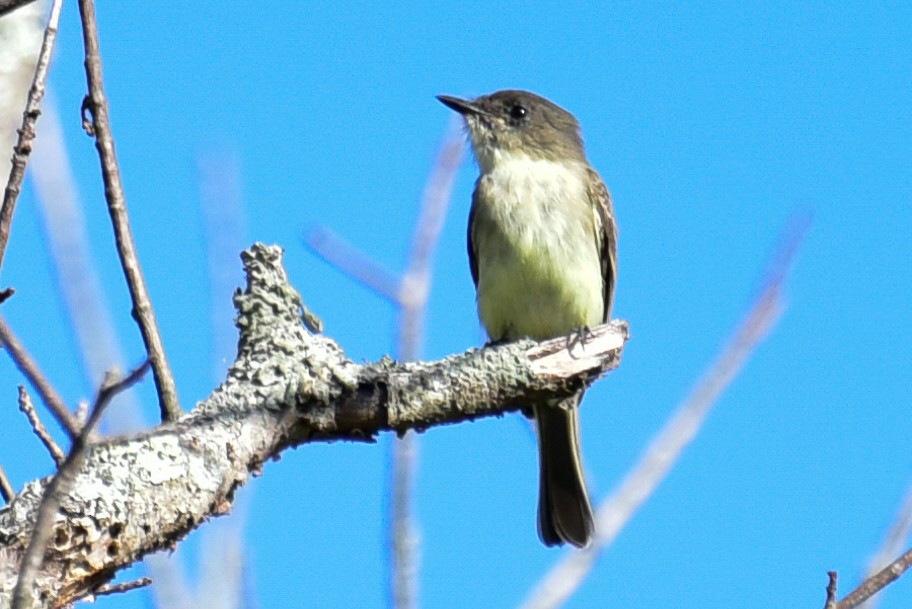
(139, 494)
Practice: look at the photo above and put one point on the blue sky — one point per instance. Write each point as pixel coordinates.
(711, 124)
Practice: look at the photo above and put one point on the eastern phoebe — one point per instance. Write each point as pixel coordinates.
(543, 255)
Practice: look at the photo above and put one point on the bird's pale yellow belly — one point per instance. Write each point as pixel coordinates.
(539, 271)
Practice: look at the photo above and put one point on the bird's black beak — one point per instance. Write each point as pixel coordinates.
(462, 106)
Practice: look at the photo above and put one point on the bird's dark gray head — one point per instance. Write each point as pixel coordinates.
(511, 123)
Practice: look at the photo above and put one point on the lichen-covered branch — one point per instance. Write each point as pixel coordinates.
(142, 493)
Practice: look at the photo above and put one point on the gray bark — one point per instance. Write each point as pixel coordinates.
(145, 492)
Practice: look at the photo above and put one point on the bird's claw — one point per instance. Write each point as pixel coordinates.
(578, 337)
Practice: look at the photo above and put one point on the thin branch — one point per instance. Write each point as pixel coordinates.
(878, 582)
(143, 313)
(29, 368)
(892, 545)
(26, 406)
(107, 589)
(79, 285)
(6, 489)
(60, 485)
(27, 132)
(8, 6)
(642, 480)
(831, 590)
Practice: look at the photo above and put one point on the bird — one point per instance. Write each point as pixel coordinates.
(542, 246)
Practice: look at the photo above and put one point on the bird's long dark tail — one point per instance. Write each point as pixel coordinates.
(564, 511)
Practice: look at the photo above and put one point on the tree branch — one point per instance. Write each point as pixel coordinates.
(97, 104)
(6, 489)
(57, 489)
(877, 582)
(892, 545)
(106, 590)
(831, 590)
(142, 493)
(30, 117)
(29, 368)
(28, 409)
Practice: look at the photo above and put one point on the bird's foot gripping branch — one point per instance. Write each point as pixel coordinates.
(142, 493)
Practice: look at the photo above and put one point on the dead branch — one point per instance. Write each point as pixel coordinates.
(141, 493)
(877, 582)
(97, 104)
(108, 589)
(27, 132)
(892, 544)
(28, 409)
(6, 489)
(57, 489)
(29, 368)
(831, 590)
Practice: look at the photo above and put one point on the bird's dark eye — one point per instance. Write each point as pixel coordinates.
(518, 112)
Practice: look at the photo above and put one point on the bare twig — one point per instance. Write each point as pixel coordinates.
(32, 372)
(8, 6)
(27, 131)
(143, 312)
(79, 285)
(831, 590)
(6, 489)
(409, 293)
(662, 453)
(60, 485)
(878, 582)
(26, 406)
(107, 589)
(892, 545)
